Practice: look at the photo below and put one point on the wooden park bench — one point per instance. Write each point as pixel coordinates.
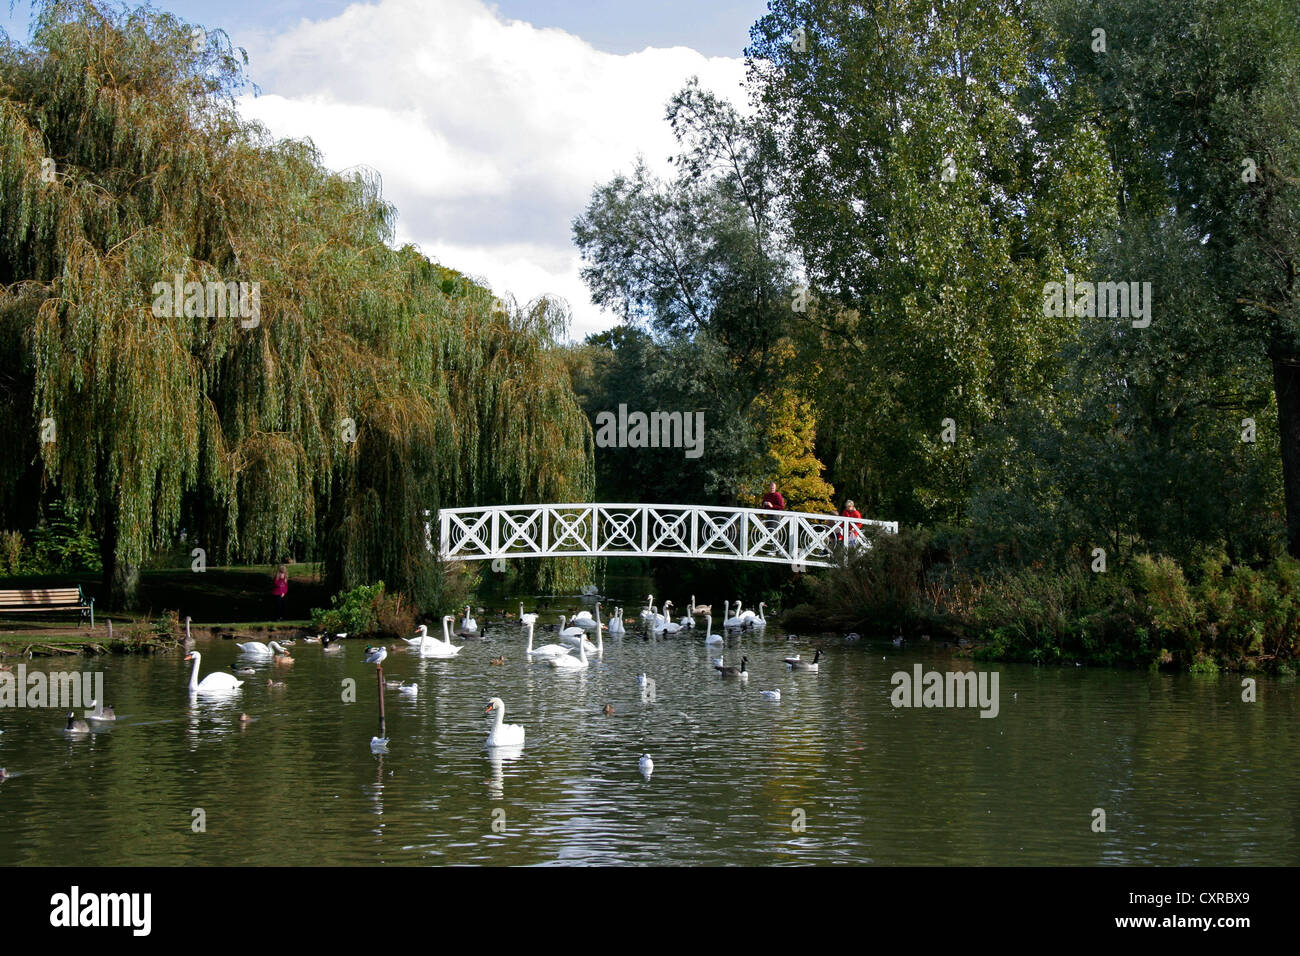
(48, 599)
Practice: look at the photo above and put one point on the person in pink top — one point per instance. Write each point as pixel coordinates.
(281, 590)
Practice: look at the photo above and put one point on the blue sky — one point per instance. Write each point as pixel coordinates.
(489, 123)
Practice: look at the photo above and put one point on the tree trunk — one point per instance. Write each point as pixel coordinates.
(120, 578)
(1286, 386)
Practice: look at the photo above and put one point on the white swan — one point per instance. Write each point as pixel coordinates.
(218, 682)
(757, 620)
(688, 619)
(546, 650)
(503, 734)
(583, 619)
(255, 649)
(709, 636)
(468, 624)
(530, 618)
(616, 622)
(668, 627)
(649, 610)
(737, 620)
(575, 636)
(432, 647)
(421, 633)
(570, 663)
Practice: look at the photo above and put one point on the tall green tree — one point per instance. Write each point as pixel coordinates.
(371, 386)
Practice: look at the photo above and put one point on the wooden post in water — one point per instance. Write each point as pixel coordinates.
(379, 672)
(110, 630)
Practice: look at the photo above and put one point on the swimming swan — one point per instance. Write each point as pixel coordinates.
(709, 636)
(503, 734)
(546, 651)
(218, 682)
(570, 663)
(255, 649)
(432, 647)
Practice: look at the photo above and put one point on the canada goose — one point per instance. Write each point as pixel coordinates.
(331, 645)
(798, 665)
(731, 670)
(76, 726)
(99, 712)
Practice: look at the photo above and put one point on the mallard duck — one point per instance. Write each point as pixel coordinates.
(498, 660)
(608, 710)
(242, 671)
(274, 683)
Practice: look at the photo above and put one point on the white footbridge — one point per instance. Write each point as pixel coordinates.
(501, 532)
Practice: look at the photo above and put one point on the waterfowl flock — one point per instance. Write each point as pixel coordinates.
(572, 652)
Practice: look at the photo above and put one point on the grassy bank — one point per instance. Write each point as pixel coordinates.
(219, 600)
(1148, 612)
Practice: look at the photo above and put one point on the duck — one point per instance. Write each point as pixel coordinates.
(546, 650)
(311, 640)
(853, 636)
(284, 660)
(243, 671)
(800, 665)
(529, 618)
(218, 682)
(503, 734)
(432, 647)
(771, 694)
(731, 670)
(274, 683)
(99, 712)
(76, 726)
(608, 710)
(498, 661)
(646, 766)
(709, 636)
(256, 649)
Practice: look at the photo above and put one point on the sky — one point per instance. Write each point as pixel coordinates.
(489, 123)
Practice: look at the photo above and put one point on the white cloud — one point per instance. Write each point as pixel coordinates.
(489, 133)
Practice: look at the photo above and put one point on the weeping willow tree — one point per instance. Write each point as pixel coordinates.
(356, 389)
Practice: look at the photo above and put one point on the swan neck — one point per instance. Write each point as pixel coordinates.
(194, 671)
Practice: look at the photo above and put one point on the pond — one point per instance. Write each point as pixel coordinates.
(1185, 771)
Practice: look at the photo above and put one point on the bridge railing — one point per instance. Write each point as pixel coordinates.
(648, 530)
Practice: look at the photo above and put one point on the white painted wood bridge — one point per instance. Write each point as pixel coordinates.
(797, 538)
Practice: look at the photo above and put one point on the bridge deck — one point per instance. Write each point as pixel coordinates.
(645, 530)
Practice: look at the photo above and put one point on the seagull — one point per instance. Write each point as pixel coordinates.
(376, 655)
(771, 694)
(646, 766)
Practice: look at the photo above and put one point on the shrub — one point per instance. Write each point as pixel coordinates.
(11, 552)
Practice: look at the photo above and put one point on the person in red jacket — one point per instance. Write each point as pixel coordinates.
(773, 501)
(851, 512)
